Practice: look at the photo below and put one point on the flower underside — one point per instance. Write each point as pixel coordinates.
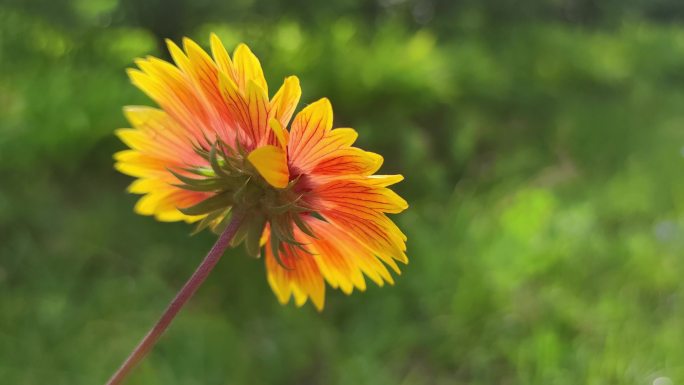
(219, 145)
(238, 185)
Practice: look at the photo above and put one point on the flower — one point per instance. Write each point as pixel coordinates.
(218, 146)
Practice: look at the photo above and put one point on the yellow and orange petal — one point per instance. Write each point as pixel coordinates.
(206, 99)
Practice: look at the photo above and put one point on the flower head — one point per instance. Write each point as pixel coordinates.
(219, 145)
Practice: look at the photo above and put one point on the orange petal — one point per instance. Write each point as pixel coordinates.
(350, 160)
(249, 110)
(357, 196)
(257, 102)
(302, 279)
(204, 73)
(358, 208)
(156, 133)
(356, 255)
(334, 140)
(174, 93)
(163, 204)
(342, 259)
(376, 232)
(309, 129)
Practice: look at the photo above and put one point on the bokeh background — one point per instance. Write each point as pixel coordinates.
(543, 148)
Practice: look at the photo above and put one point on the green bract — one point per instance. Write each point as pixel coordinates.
(237, 187)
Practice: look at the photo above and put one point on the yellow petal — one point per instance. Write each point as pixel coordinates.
(271, 163)
(197, 56)
(345, 136)
(280, 133)
(248, 68)
(221, 56)
(384, 180)
(179, 56)
(285, 100)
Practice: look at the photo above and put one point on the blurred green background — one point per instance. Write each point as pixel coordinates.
(543, 148)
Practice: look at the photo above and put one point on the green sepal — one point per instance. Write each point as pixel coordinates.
(275, 250)
(240, 150)
(201, 171)
(200, 188)
(215, 163)
(303, 226)
(287, 207)
(205, 185)
(199, 150)
(237, 194)
(191, 181)
(239, 235)
(221, 226)
(283, 232)
(292, 183)
(206, 221)
(218, 201)
(318, 216)
(301, 247)
(254, 233)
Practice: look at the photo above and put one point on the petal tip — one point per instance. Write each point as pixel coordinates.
(186, 42)
(241, 48)
(170, 44)
(292, 79)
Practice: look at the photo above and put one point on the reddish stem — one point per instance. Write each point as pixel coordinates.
(179, 301)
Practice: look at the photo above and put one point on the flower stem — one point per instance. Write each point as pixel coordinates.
(179, 301)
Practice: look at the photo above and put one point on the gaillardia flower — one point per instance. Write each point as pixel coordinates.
(219, 148)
